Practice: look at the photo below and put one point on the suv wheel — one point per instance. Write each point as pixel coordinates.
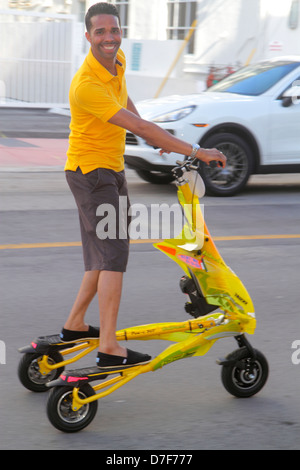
(231, 179)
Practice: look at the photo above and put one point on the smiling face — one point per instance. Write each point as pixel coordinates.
(105, 37)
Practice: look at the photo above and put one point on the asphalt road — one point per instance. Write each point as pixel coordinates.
(34, 122)
(183, 406)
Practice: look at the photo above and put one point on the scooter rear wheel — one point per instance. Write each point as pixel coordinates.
(60, 413)
(30, 375)
(247, 375)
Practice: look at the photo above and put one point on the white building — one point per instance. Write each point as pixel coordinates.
(228, 33)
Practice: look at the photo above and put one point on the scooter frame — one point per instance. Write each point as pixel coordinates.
(199, 332)
(244, 372)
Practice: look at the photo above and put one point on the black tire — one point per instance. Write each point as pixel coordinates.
(247, 375)
(156, 177)
(60, 413)
(30, 375)
(239, 167)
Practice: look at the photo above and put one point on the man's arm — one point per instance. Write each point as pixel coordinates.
(158, 137)
(131, 107)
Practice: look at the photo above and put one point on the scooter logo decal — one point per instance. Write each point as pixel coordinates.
(193, 262)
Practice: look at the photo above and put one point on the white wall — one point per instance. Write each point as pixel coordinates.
(149, 62)
(152, 58)
(274, 28)
(148, 19)
(227, 31)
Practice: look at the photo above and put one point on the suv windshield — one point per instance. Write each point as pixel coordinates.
(255, 79)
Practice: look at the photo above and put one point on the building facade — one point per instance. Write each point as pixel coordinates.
(223, 35)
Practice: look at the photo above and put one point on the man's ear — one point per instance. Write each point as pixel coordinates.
(88, 36)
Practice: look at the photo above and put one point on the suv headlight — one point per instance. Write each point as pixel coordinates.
(175, 115)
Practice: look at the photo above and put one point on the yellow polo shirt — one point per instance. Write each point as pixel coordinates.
(95, 96)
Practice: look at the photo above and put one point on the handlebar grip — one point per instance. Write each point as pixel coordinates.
(215, 164)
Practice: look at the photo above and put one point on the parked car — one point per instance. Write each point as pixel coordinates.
(252, 116)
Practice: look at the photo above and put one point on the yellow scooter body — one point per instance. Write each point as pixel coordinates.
(198, 256)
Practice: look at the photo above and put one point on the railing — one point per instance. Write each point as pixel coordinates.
(36, 58)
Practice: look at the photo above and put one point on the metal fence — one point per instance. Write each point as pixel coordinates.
(36, 58)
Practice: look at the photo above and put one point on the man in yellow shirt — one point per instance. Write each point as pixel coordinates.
(101, 112)
(96, 96)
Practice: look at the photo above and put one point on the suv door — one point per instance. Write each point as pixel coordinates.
(285, 130)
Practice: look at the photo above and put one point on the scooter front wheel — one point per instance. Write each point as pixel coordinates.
(30, 375)
(60, 413)
(245, 375)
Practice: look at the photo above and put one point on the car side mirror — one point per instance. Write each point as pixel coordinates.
(291, 96)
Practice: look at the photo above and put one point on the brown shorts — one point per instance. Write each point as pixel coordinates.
(102, 200)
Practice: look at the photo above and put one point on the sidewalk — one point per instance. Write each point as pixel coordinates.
(32, 153)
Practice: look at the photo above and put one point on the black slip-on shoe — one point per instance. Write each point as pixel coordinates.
(71, 335)
(109, 361)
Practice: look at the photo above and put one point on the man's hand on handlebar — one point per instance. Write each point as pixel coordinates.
(212, 155)
(207, 156)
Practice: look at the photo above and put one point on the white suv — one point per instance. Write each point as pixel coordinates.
(252, 116)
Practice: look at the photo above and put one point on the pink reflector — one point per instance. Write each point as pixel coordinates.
(75, 379)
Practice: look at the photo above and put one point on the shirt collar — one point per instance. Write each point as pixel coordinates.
(102, 73)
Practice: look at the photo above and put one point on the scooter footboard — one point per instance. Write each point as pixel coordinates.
(78, 377)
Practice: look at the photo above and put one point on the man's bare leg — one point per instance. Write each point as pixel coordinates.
(85, 295)
(109, 297)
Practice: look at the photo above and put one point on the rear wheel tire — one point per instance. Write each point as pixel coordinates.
(30, 375)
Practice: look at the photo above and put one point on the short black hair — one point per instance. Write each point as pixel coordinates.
(102, 8)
